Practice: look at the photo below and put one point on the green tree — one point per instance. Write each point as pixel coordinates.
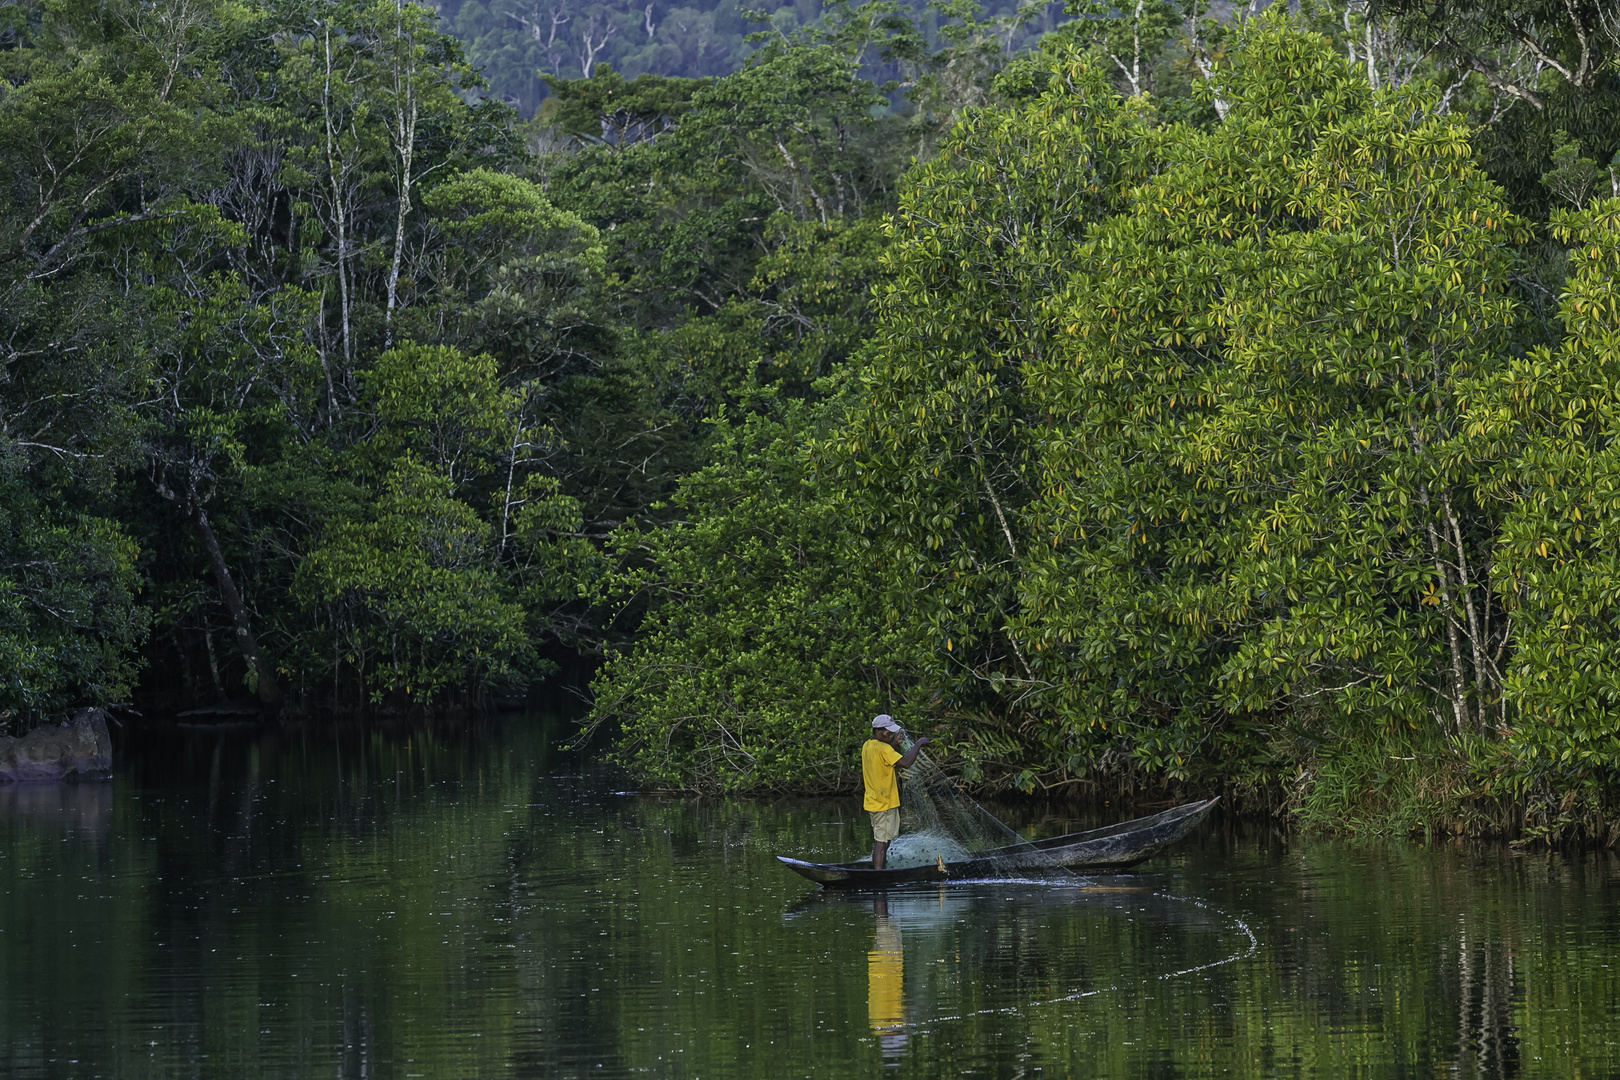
(104, 117)
(507, 273)
(1257, 515)
(762, 652)
(609, 110)
(412, 588)
(1554, 415)
(223, 385)
(938, 445)
(1550, 66)
(69, 624)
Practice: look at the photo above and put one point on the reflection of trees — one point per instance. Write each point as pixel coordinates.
(369, 898)
(1487, 1037)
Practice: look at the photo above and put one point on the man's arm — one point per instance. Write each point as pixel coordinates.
(916, 747)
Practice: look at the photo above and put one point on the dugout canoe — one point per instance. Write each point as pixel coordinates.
(1113, 847)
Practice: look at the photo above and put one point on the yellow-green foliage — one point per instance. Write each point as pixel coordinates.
(1555, 416)
(1202, 452)
(762, 656)
(1256, 487)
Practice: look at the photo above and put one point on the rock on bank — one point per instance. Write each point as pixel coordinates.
(74, 749)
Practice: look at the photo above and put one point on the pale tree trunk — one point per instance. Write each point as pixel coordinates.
(1372, 59)
(1133, 71)
(1012, 548)
(591, 45)
(1198, 51)
(511, 477)
(1136, 50)
(335, 180)
(1459, 678)
(1438, 524)
(326, 368)
(263, 675)
(1483, 679)
(404, 137)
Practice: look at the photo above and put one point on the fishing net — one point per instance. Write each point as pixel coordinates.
(939, 822)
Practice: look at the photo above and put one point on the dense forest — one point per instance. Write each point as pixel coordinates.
(523, 47)
(1135, 398)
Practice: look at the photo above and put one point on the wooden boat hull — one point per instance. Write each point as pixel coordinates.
(1112, 847)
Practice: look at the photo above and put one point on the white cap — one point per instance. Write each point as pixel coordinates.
(884, 721)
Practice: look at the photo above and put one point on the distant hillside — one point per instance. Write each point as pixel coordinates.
(517, 42)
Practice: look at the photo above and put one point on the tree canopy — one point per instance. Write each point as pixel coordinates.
(1133, 396)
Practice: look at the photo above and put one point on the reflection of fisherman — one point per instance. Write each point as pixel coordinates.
(879, 760)
(885, 981)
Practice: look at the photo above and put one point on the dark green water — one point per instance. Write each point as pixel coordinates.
(474, 905)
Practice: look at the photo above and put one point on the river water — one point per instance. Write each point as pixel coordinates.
(474, 903)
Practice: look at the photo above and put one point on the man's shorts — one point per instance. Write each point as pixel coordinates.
(885, 824)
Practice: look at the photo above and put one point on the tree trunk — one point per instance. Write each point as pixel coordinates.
(337, 184)
(405, 148)
(1459, 681)
(264, 677)
(1484, 682)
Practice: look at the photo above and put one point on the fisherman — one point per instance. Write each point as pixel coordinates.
(879, 759)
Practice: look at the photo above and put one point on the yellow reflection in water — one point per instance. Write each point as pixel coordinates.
(885, 981)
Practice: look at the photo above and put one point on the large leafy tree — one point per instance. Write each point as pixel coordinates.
(938, 446)
(103, 118)
(760, 656)
(411, 591)
(1553, 414)
(740, 220)
(1256, 500)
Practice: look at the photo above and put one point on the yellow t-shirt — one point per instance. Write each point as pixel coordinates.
(877, 769)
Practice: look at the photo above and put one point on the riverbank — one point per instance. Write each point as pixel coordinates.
(1381, 784)
(1384, 784)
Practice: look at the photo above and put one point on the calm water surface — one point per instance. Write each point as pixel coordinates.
(473, 904)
